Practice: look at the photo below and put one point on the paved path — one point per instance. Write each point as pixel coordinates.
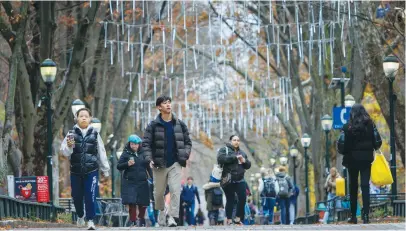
(386, 227)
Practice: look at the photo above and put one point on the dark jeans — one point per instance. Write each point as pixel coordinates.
(84, 190)
(213, 216)
(190, 213)
(284, 205)
(365, 170)
(231, 190)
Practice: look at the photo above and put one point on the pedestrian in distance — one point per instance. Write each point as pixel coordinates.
(235, 162)
(167, 147)
(359, 146)
(268, 188)
(214, 200)
(85, 149)
(188, 195)
(285, 191)
(134, 181)
(330, 187)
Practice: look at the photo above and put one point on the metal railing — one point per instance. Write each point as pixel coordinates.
(11, 207)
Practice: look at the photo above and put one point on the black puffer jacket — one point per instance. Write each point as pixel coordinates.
(134, 184)
(154, 142)
(230, 162)
(358, 146)
(84, 157)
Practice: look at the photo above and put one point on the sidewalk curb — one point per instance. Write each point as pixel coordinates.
(14, 224)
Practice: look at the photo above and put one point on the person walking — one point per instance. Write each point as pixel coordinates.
(359, 146)
(235, 162)
(134, 181)
(268, 188)
(292, 204)
(285, 191)
(189, 192)
(330, 186)
(214, 200)
(85, 149)
(167, 147)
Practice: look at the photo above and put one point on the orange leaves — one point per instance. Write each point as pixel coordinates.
(66, 20)
(203, 16)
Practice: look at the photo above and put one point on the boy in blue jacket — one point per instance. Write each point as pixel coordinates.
(189, 192)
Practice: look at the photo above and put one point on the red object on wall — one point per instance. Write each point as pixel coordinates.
(42, 189)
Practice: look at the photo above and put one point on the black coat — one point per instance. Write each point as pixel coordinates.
(154, 142)
(134, 179)
(358, 146)
(230, 162)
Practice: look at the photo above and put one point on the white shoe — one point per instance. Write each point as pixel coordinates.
(172, 222)
(81, 221)
(162, 218)
(90, 225)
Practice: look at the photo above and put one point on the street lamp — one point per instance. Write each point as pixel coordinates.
(283, 160)
(327, 124)
(96, 124)
(113, 154)
(349, 101)
(306, 143)
(293, 153)
(272, 161)
(262, 169)
(390, 67)
(76, 105)
(48, 72)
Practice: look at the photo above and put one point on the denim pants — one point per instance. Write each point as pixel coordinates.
(190, 214)
(284, 205)
(268, 205)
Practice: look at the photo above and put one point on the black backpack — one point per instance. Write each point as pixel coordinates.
(217, 197)
(269, 187)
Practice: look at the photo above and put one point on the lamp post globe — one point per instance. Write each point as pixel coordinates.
(326, 122)
(391, 67)
(96, 124)
(76, 105)
(349, 101)
(48, 71)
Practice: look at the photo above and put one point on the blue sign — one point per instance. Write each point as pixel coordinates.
(341, 115)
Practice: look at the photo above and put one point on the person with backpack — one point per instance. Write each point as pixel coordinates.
(189, 192)
(214, 200)
(167, 147)
(285, 191)
(292, 204)
(134, 181)
(234, 162)
(268, 189)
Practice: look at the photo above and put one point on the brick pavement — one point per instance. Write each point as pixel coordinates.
(386, 227)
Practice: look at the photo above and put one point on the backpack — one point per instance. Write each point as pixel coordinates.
(217, 197)
(283, 187)
(269, 187)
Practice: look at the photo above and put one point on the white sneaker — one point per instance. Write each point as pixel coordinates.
(90, 225)
(81, 221)
(162, 218)
(172, 222)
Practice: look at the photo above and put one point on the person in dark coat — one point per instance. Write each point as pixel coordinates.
(358, 157)
(235, 162)
(134, 181)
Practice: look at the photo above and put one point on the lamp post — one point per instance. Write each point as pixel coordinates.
(342, 84)
(306, 143)
(76, 105)
(48, 72)
(113, 155)
(272, 161)
(258, 176)
(96, 124)
(327, 124)
(390, 67)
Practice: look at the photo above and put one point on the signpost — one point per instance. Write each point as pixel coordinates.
(341, 115)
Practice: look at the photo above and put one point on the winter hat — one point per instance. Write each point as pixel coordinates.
(134, 139)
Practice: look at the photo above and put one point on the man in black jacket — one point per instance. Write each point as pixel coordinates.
(167, 146)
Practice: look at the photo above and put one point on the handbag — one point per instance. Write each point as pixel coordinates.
(380, 171)
(340, 143)
(377, 139)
